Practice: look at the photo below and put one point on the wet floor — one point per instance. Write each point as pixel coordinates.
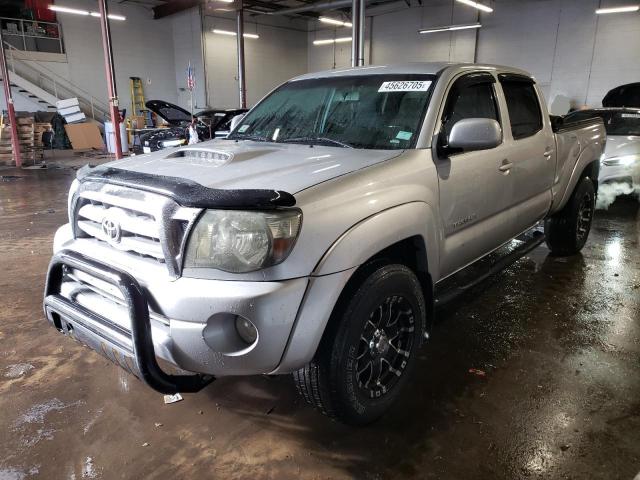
(555, 344)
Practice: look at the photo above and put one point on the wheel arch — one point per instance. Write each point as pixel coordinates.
(406, 235)
(583, 168)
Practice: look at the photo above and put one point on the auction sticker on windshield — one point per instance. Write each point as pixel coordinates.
(405, 86)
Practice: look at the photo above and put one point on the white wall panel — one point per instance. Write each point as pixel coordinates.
(142, 47)
(279, 54)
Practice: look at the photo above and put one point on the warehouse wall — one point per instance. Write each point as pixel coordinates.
(142, 47)
(570, 50)
(279, 54)
(395, 36)
(187, 47)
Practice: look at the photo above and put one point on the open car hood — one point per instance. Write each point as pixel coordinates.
(623, 96)
(170, 113)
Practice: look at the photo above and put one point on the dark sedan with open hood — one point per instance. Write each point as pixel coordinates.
(211, 123)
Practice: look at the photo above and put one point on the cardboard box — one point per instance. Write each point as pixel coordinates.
(84, 135)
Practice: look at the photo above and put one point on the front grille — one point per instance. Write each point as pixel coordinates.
(122, 228)
(133, 221)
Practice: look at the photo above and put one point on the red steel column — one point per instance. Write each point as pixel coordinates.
(15, 142)
(111, 78)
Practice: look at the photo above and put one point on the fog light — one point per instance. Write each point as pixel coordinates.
(246, 330)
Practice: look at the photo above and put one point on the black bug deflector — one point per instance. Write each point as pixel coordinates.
(133, 350)
(187, 192)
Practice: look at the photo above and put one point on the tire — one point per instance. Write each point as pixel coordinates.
(567, 231)
(363, 335)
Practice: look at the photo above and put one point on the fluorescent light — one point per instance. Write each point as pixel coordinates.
(329, 41)
(477, 5)
(450, 28)
(58, 8)
(233, 34)
(110, 16)
(334, 21)
(630, 8)
(226, 1)
(224, 32)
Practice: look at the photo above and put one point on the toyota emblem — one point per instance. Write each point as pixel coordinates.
(111, 230)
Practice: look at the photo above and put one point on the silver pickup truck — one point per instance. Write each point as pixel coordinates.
(311, 239)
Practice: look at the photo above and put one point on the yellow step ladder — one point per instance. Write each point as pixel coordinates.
(138, 107)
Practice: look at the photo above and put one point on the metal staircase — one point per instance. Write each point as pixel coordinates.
(43, 86)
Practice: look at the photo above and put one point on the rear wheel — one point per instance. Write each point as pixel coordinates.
(369, 348)
(567, 231)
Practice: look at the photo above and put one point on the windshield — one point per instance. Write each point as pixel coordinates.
(616, 122)
(374, 111)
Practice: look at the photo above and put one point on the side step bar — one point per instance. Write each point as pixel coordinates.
(452, 287)
(132, 350)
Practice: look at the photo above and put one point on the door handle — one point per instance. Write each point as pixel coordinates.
(506, 166)
(548, 152)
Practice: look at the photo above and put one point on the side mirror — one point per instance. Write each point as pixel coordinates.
(235, 121)
(475, 134)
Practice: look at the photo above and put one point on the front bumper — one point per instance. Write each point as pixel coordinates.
(191, 320)
(132, 349)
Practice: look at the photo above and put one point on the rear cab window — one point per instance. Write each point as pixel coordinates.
(525, 114)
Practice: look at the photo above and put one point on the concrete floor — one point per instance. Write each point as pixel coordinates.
(559, 340)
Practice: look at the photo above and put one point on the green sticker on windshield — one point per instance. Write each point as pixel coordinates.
(243, 128)
(402, 135)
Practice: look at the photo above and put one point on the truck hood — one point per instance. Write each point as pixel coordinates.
(229, 164)
(621, 145)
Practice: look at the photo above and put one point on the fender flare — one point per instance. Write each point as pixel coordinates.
(576, 174)
(336, 267)
(379, 231)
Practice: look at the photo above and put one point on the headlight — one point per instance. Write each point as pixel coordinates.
(623, 161)
(72, 191)
(238, 241)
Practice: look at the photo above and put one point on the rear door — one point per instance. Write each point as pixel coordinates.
(530, 148)
(475, 189)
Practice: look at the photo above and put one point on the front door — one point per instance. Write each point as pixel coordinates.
(476, 187)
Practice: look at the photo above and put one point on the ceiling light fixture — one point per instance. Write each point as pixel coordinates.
(60, 9)
(329, 41)
(477, 5)
(627, 9)
(110, 16)
(233, 34)
(450, 28)
(57, 8)
(334, 21)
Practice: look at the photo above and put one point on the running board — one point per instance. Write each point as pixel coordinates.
(462, 281)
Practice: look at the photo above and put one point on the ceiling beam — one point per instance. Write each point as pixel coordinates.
(173, 7)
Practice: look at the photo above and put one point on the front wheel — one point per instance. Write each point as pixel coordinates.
(369, 348)
(566, 232)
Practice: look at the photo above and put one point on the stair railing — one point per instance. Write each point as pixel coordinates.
(55, 85)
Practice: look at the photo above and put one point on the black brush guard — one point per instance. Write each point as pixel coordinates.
(133, 350)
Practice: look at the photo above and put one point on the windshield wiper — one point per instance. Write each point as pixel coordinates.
(316, 141)
(248, 136)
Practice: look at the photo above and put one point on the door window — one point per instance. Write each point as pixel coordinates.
(524, 109)
(469, 100)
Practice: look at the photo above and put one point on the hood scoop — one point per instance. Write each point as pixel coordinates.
(202, 157)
